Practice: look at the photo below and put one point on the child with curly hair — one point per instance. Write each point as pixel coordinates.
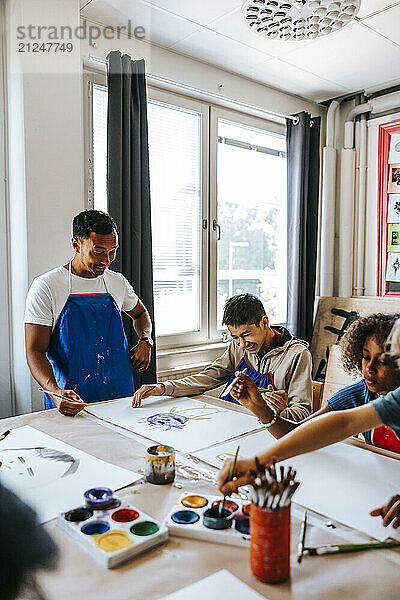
(363, 354)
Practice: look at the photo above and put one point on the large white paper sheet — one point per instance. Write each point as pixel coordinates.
(186, 424)
(220, 585)
(341, 481)
(52, 476)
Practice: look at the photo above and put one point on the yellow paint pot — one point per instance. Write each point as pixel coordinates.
(194, 501)
(113, 540)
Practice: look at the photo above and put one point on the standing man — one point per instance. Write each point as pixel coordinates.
(75, 341)
(278, 363)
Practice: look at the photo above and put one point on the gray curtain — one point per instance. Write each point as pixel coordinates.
(129, 184)
(302, 140)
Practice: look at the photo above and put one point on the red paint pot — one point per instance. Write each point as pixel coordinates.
(270, 543)
(125, 515)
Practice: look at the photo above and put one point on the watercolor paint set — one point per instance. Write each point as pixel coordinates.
(110, 530)
(203, 518)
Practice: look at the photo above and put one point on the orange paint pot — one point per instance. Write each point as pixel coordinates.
(270, 544)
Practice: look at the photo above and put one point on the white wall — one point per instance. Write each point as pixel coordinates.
(46, 184)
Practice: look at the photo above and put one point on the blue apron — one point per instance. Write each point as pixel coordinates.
(88, 349)
(262, 380)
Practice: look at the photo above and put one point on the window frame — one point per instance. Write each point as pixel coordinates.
(210, 114)
(216, 335)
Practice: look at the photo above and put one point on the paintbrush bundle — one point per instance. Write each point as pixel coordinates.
(272, 488)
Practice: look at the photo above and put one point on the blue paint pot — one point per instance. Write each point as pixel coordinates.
(98, 496)
(95, 528)
(242, 524)
(185, 517)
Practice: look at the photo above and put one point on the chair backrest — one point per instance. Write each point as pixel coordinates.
(317, 392)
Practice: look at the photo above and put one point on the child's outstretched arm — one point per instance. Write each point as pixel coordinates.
(311, 435)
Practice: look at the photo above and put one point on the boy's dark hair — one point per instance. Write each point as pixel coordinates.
(243, 309)
(92, 220)
(377, 326)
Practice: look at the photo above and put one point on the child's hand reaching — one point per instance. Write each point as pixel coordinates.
(389, 512)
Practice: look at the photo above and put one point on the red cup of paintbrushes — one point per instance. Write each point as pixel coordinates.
(270, 543)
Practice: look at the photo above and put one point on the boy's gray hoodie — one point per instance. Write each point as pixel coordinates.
(289, 362)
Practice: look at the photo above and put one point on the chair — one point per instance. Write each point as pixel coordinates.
(317, 389)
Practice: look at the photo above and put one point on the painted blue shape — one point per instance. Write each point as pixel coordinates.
(168, 420)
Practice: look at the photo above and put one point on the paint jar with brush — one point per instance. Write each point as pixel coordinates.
(271, 495)
(160, 464)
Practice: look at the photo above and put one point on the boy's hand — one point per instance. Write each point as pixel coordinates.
(389, 512)
(276, 399)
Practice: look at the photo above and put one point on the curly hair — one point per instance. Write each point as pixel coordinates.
(378, 326)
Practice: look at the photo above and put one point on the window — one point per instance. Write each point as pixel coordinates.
(218, 194)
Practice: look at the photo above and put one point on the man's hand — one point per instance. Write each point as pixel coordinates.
(389, 512)
(72, 403)
(276, 399)
(140, 355)
(153, 389)
(243, 474)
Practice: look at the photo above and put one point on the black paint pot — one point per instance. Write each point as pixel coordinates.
(216, 518)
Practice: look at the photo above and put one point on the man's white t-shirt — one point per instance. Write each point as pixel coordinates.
(49, 292)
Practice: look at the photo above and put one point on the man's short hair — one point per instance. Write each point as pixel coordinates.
(92, 220)
(243, 309)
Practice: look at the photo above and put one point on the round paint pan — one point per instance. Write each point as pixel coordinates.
(194, 501)
(125, 515)
(242, 524)
(113, 540)
(229, 505)
(185, 517)
(95, 528)
(78, 514)
(216, 518)
(145, 528)
(101, 498)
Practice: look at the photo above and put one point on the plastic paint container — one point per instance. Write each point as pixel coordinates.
(125, 515)
(95, 528)
(270, 543)
(78, 514)
(229, 505)
(242, 524)
(194, 501)
(185, 517)
(145, 528)
(216, 518)
(160, 464)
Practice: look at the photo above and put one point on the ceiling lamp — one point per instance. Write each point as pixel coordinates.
(298, 19)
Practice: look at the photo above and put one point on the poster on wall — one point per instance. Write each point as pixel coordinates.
(394, 153)
(393, 237)
(393, 208)
(393, 267)
(394, 179)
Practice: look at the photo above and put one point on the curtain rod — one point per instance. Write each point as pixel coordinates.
(187, 90)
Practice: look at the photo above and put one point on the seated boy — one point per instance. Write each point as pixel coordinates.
(271, 357)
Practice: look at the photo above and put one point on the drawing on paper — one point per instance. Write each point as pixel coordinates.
(225, 456)
(37, 465)
(175, 420)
